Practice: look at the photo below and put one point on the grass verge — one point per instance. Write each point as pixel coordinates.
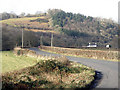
(44, 74)
(12, 62)
(50, 74)
(77, 55)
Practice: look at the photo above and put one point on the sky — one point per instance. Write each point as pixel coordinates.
(96, 8)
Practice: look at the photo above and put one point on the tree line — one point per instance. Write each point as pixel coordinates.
(12, 37)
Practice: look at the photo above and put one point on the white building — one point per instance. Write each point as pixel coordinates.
(108, 46)
(91, 45)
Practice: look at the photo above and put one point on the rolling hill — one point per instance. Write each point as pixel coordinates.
(70, 30)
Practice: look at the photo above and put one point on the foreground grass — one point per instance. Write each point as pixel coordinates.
(44, 74)
(50, 74)
(11, 62)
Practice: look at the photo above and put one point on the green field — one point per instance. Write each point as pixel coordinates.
(12, 62)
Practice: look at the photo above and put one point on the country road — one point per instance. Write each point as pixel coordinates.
(108, 70)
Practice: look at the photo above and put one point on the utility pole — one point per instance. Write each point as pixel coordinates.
(41, 43)
(51, 39)
(29, 43)
(22, 37)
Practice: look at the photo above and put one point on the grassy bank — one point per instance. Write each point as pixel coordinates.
(12, 62)
(51, 73)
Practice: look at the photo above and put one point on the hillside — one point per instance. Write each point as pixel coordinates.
(28, 23)
(70, 30)
(101, 31)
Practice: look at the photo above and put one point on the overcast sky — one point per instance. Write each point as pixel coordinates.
(96, 8)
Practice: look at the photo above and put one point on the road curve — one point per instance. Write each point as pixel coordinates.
(108, 69)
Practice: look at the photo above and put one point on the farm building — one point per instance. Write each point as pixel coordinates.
(108, 46)
(91, 45)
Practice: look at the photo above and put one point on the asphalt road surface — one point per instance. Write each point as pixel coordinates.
(107, 71)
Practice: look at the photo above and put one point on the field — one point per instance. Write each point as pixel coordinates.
(15, 20)
(30, 24)
(11, 62)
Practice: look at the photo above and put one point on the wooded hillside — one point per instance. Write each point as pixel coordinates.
(69, 30)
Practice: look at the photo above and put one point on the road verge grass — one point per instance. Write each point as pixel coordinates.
(51, 73)
(12, 62)
(76, 55)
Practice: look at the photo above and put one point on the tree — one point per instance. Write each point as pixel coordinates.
(22, 14)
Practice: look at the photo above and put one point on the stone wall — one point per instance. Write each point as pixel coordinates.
(26, 52)
(96, 54)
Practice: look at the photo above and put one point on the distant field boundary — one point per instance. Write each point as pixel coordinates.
(95, 54)
(26, 52)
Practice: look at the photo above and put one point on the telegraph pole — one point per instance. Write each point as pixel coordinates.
(51, 39)
(22, 37)
(41, 43)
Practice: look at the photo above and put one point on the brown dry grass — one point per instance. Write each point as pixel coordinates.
(44, 31)
(49, 74)
(96, 54)
(30, 26)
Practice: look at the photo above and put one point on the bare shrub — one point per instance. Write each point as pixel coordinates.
(63, 60)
